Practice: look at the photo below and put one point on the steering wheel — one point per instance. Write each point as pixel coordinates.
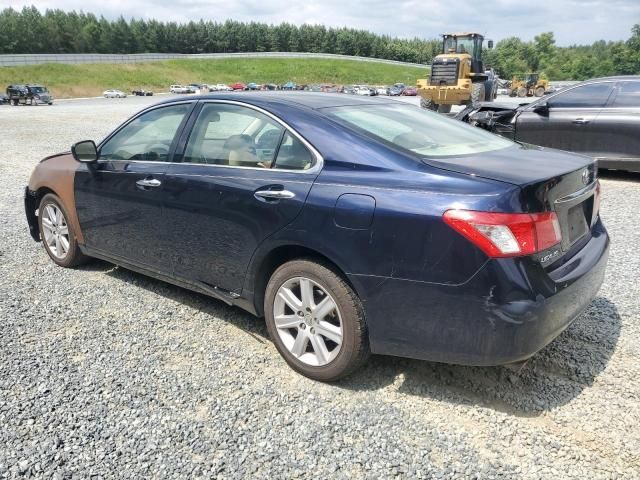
(155, 151)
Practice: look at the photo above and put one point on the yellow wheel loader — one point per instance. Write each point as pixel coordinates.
(458, 76)
(529, 86)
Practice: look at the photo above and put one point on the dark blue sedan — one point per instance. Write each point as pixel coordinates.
(353, 225)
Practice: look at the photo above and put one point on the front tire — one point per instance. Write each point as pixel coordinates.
(522, 92)
(428, 104)
(444, 108)
(539, 91)
(58, 236)
(316, 320)
(477, 93)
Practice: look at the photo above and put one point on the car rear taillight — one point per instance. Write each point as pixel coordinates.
(506, 234)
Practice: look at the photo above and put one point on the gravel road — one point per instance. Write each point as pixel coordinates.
(105, 373)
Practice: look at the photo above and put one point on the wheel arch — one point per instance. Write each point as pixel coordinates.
(264, 266)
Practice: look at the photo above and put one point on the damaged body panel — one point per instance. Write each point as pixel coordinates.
(53, 174)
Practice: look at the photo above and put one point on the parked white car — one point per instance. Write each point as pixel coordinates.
(382, 90)
(179, 89)
(220, 87)
(114, 94)
(362, 90)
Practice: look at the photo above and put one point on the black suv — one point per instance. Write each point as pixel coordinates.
(28, 94)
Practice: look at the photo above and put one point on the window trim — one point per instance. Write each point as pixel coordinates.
(174, 142)
(315, 169)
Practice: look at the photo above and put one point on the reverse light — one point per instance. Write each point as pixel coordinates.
(506, 234)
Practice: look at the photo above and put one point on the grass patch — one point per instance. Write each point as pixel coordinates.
(66, 81)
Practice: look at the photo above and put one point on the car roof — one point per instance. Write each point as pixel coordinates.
(311, 100)
(616, 77)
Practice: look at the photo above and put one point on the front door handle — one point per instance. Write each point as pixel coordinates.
(148, 183)
(580, 121)
(273, 194)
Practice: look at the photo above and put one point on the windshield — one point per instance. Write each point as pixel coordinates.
(459, 45)
(418, 131)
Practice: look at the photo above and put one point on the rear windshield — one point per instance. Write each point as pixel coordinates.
(418, 131)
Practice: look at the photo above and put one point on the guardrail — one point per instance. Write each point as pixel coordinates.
(76, 58)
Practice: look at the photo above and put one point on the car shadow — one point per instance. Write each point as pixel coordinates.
(211, 306)
(552, 378)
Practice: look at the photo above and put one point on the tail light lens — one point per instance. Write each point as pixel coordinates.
(506, 234)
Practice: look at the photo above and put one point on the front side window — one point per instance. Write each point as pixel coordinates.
(148, 137)
(594, 95)
(628, 95)
(238, 136)
(418, 131)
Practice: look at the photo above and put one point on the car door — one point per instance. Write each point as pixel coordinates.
(243, 176)
(119, 198)
(567, 122)
(618, 126)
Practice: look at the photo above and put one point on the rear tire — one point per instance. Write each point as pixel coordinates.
(320, 328)
(539, 91)
(58, 236)
(444, 108)
(428, 104)
(477, 92)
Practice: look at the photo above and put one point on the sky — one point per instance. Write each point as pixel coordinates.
(572, 21)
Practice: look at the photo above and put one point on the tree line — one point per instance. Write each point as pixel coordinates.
(512, 56)
(57, 31)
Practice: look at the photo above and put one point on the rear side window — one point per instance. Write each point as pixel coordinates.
(233, 135)
(628, 95)
(293, 155)
(594, 95)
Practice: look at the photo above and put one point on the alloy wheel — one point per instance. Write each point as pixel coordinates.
(308, 321)
(55, 230)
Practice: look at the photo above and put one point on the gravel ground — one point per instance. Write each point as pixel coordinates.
(106, 373)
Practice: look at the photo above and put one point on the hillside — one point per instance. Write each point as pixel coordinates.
(66, 81)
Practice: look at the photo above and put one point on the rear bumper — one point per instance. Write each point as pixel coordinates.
(505, 313)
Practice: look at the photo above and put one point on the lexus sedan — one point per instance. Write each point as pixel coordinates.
(353, 225)
(599, 118)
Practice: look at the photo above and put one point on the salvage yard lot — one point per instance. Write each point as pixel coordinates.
(107, 372)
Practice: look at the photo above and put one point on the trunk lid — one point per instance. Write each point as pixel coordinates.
(550, 180)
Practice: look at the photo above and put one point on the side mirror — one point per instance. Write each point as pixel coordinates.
(85, 151)
(542, 109)
(490, 44)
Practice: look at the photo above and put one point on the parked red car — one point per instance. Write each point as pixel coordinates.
(238, 86)
(409, 92)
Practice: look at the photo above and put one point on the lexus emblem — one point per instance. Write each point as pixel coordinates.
(585, 176)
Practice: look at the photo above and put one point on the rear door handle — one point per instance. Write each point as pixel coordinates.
(273, 194)
(580, 121)
(148, 183)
